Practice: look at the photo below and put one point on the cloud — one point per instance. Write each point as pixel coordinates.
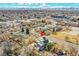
(37, 5)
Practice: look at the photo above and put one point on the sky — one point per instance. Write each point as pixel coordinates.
(38, 5)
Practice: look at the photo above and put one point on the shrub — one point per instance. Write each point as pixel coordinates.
(49, 46)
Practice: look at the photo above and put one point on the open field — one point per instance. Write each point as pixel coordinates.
(52, 32)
